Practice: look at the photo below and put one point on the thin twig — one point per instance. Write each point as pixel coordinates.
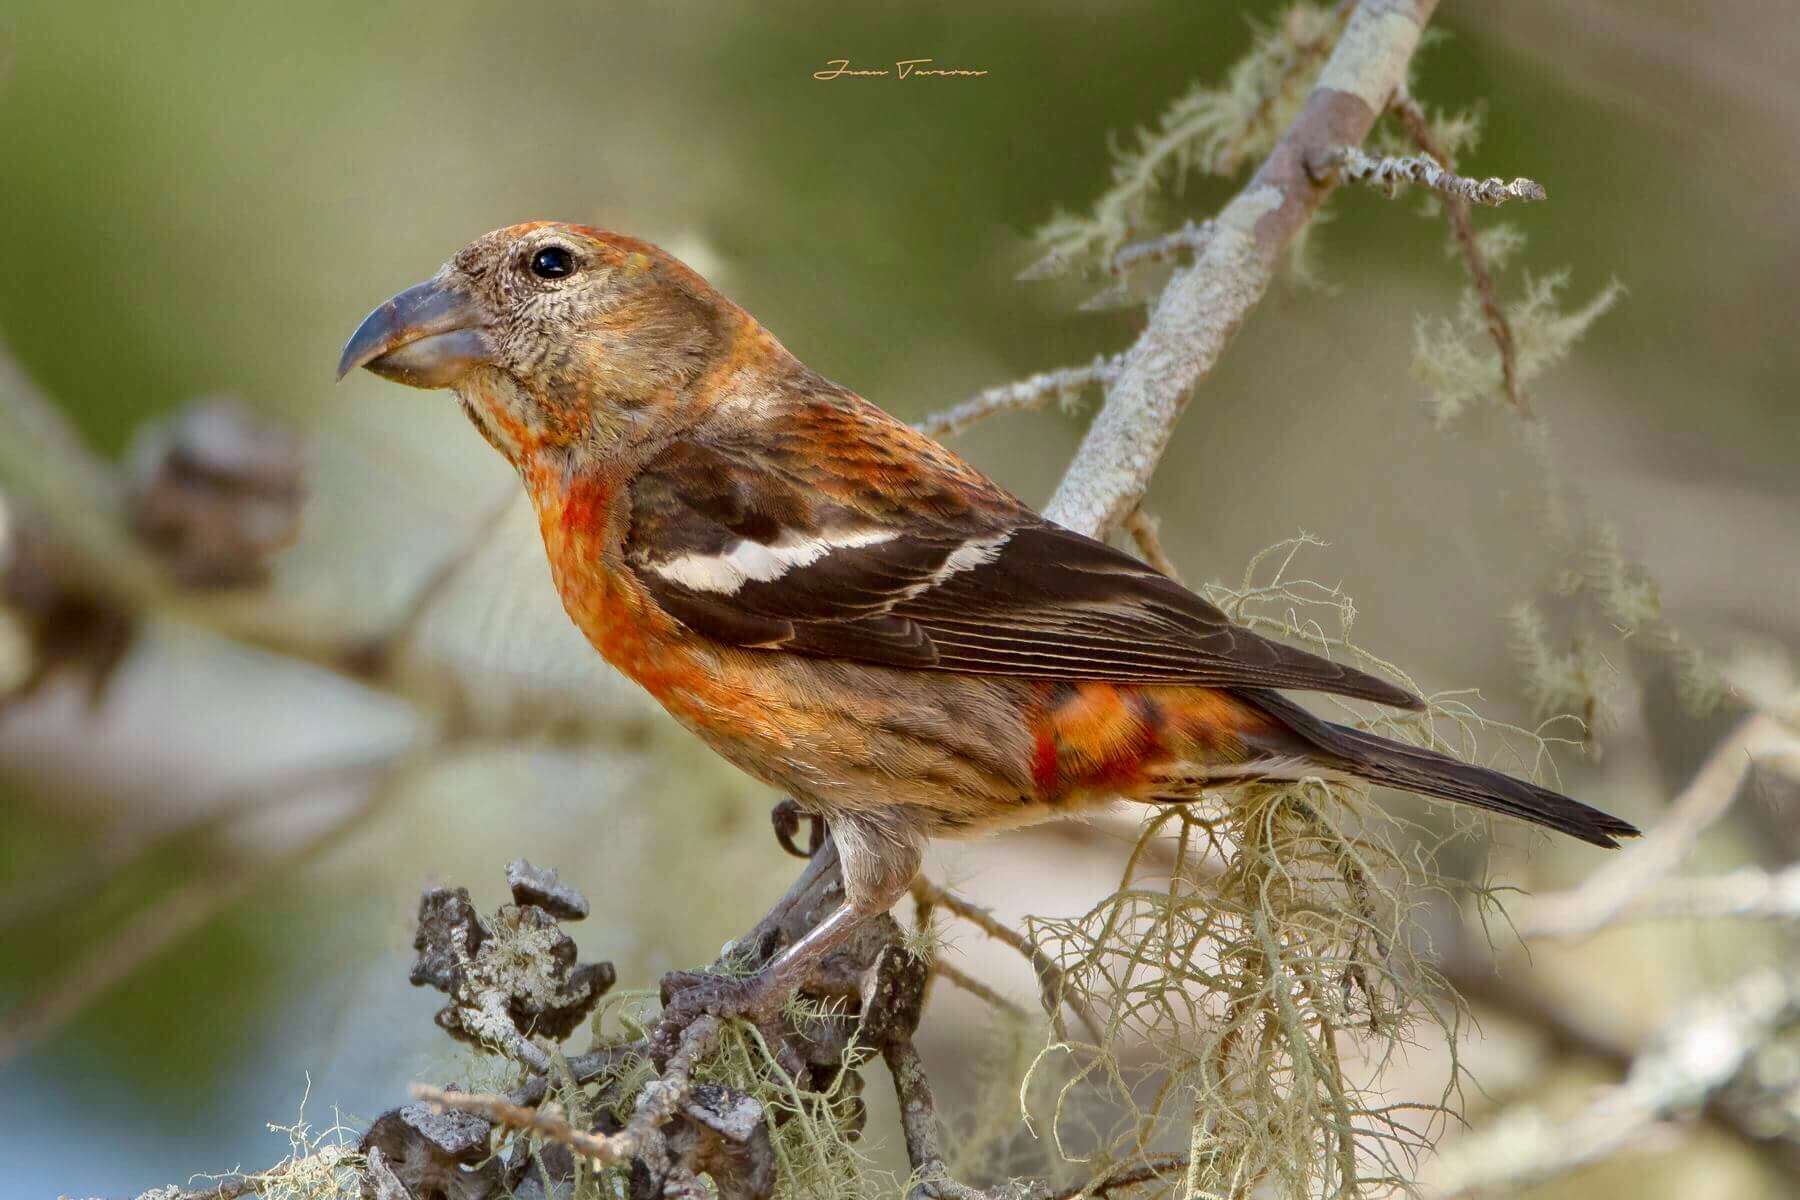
(1161, 249)
(583, 1068)
(540, 1120)
(1024, 395)
(1456, 211)
(659, 1101)
(1144, 531)
(1205, 302)
(1148, 1171)
(105, 863)
(1388, 173)
(236, 1184)
(1189, 238)
(377, 654)
(1051, 984)
(968, 983)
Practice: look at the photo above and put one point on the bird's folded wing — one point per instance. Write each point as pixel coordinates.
(744, 549)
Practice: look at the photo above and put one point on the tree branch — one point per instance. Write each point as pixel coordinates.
(1748, 894)
(1024, 395)
(1144, 531)
(190, 907)
(1478, 980)
(1052, 990)
(1388, 174)
(539, 1120)
(1204, 303)
(1161, 249)
(1691, 1060)
(1609, 891)
(1456, 210)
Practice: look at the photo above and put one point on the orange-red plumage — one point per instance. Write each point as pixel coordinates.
(839, 604)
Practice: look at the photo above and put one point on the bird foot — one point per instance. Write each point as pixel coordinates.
(759, 999)
(786, 817)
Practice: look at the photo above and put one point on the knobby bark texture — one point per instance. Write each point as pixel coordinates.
(514, 987)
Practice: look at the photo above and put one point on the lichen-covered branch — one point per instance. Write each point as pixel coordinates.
(1388, 173)
(707, 1107)
(1025, 395)
(540, 1121)
(1190, 237)
(1204, 303)
(1052, 988)
(1462, 228)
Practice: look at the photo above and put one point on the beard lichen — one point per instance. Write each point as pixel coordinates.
(1255, 972)
(1260, 967)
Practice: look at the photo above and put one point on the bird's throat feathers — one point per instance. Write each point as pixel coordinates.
(597, 399)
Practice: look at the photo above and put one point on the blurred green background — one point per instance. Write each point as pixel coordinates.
(206, 198)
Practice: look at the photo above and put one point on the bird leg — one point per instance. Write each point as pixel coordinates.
(878, 866)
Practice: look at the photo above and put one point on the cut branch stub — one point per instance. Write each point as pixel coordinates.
(726, 1138)
(540, 887)
(216, 491)
(514, 978)
(435, 1153)
(69, 630)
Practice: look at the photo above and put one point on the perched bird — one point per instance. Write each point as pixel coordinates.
(838, 604)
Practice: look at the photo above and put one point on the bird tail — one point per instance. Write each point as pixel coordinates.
(1394, 764)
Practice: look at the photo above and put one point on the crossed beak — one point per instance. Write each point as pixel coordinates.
(428, 336)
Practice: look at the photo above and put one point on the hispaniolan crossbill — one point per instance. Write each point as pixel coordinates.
(838, 604)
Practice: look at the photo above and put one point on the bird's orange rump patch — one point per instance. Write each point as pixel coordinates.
(1117, 739)
(1093, 737)
(1046, 761)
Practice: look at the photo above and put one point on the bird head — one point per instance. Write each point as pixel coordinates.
(552, 336)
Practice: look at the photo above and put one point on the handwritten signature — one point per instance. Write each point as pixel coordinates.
(905, 68)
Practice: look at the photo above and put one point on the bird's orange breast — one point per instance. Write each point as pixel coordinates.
(609, 607)
(580, 519)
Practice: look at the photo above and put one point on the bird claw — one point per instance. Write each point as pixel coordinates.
(786, 817)
(758, 999)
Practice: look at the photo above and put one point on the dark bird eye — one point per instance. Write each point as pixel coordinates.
(552, 262)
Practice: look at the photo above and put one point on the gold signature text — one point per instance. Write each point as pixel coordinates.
(905, 68)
